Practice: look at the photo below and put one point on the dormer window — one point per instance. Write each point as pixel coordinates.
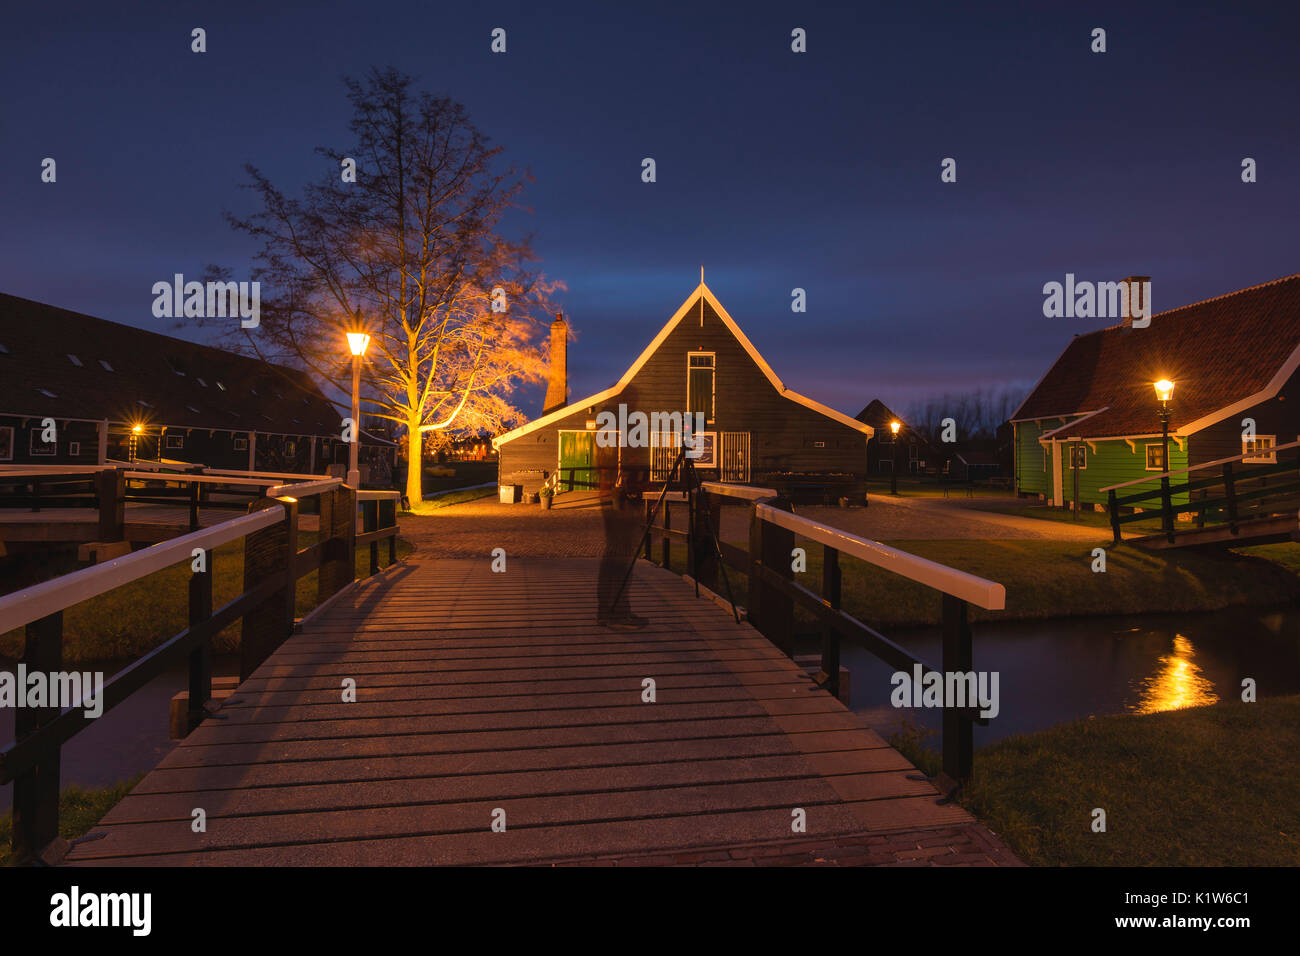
(47, 393)
(106, 366)
(74, 360)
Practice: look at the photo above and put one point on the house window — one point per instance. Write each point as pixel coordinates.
(74, 449)
(241, 444)
(106, 366)
(700, 368)
(1079, 457)
(7, 443)
(74, 360)
(1259, 449)
(175, 441)
(819, 444)
(1155, 457)
(291, 449)
(1042, 448)
(39, 447)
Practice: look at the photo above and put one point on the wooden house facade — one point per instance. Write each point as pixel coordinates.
(756, 431)
(97, 382)
(1094, 418)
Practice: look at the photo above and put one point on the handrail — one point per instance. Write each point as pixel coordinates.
(197, 479)
(37, 471)
(48, 597)
(281, 475)
(303, 488)
(960, 584)
(1209, 464)
(747, 492)
(381, 495)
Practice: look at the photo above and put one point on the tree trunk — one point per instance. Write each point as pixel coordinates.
(414, 464)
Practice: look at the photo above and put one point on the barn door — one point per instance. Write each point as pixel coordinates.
(577, 459)
(735, 457)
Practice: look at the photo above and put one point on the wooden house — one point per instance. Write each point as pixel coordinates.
(756, 430)
(99, 381)
(1094, 417)
(907, 452)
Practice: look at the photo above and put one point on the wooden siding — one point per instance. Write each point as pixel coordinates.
(783, 433)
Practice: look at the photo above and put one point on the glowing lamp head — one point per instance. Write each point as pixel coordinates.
(136, 429)
(895, 426)
(358, 342)
(1164, 389)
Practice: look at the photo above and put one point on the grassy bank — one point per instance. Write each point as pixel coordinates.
(432, 503)
(79, 810)
(1046, 579)
(133, 619)
(1197, 787)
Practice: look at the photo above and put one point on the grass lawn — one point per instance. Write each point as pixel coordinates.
(79, 811)
(1197, 787)
(1053, 579)
(133, 619)
(1087, 517)
(453, 497)
(957, 490)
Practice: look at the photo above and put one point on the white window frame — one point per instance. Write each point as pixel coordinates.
(10, 430)
(713, 385)
(38, 448)
(74, 449)
(174, 442)
(240, 444)
(1080, 446)
(1269, 459)
(1146, 450)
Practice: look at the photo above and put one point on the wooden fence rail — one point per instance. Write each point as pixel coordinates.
(273, 563)
(773, 594)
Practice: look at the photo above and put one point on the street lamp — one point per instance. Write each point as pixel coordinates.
(1165, 391)
(133, 443)
(894, 426)
(357, 343)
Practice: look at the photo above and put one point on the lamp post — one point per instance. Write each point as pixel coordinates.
(132, 445)
(357, 343)
(893, 468)
(1165, 391)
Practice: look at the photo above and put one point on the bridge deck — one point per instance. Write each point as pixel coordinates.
(478, 691)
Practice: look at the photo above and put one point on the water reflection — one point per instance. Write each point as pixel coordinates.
(1179, 682)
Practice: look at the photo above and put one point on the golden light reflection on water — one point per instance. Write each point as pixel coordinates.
(1179, 682)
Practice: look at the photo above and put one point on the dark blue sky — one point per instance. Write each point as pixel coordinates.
(775, 170)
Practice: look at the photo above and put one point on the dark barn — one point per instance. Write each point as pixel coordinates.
(98, 382)
(756, 430)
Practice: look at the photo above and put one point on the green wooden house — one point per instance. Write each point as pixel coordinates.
(1094, 419)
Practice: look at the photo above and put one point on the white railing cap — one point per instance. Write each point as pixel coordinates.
(748, 492)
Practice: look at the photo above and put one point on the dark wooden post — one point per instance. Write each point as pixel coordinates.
(110, 489)
(776, 610)
(201, 656)
(830, 636)
(36, 790)
(1114, 514)
(691, 550)
(1230, 493)
(707, 526)
(267, 555)
(1166, 509)
(649, 538)
(370, 522)
(338, 566)
(194, 506)
(958, 729)
(388, 519)
(36, 494)
(668, 544)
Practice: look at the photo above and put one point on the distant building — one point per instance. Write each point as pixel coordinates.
(98, 381)
(756, 431)
(1095, 415)
(907, 453)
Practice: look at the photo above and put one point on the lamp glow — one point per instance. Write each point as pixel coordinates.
(358, 342)
(1164, 389)
(894, 426)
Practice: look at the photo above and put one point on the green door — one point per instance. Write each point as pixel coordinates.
(577, 459)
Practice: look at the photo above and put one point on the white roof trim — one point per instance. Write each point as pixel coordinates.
(1269, 391)
(700, 290)
(1071, 424)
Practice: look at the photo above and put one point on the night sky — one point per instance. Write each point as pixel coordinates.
(776, 170)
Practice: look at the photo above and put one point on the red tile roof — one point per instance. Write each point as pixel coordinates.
(1217, 352)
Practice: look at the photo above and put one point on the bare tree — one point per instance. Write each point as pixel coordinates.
(408, 249)
(977, 415)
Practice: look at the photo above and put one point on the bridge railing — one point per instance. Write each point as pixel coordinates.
(265, 608)
(773, 594)
(1228, 487)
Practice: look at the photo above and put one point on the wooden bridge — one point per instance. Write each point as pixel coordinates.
(442, 712)
(1231, 502)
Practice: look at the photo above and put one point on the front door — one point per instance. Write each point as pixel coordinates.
(577, 460)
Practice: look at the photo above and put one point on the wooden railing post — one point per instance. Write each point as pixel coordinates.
(649, 538)
(773, 549)
(388, 519)
(1166, 509)
(201, 656)
(268, 554)
(830, 636)
(667, 553)
(337, 525)
(1114, 515)
(194, 506)
(36, 791)
(958, 728)
(1230, 493)
(370, 522)
(707, 525)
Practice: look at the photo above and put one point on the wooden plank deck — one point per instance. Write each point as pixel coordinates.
(478, 691)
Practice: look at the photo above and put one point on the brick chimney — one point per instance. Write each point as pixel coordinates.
(1137, 292)
(557, 384)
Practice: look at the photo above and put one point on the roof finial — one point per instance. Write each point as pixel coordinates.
(701, 273)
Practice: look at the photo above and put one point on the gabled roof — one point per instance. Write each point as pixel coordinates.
(67, 365)
(1224, 355)
(681, 313)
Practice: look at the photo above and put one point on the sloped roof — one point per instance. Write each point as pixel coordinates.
(700, 291)
(122, 368)
(1224, 355)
